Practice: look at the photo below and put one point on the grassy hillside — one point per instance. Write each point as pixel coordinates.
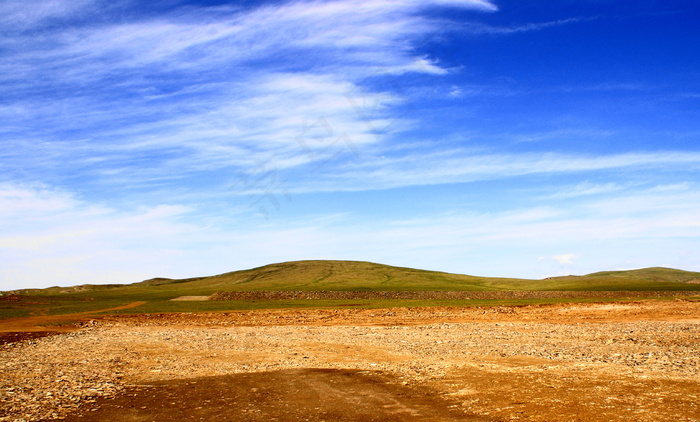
(367, 276)
(342, 276)
(354, 275)
(654, 273)
(318, 276)
(656, 278)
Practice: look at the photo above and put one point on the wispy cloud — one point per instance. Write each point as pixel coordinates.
(26, 14)
(586, 235)
(221, 88)
(205, 89)
(579, 135)
(585, 189)
(459, 166)
(477, 28)
(52, 237)
(565, 259)
(157, 121)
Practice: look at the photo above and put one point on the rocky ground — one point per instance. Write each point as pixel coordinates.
(593, 362)
(444, 295)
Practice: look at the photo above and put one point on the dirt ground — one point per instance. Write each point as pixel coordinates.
(289, 395)
(581, 362)
(40, 322)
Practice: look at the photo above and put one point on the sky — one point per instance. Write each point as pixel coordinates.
(496, 138)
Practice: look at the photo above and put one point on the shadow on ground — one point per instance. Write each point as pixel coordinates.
(291, 395)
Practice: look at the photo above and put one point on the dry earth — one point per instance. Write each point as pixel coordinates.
(583, 362)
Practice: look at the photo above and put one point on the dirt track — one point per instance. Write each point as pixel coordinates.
(598, 362)
(39, 322)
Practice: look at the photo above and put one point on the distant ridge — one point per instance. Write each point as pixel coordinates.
(317, 275)
(328, 275)
(339, 284)
(653, 273)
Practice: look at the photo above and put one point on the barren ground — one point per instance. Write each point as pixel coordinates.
(583, 362)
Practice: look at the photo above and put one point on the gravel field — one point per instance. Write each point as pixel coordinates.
(594, 362)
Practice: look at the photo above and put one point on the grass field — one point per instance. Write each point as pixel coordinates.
(325, 276)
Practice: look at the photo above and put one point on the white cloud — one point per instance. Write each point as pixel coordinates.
(575, 135)
(246, 117)
(370, 34)
(69, 241)
(460, 166)
(24, 14)
(585, 189)
(16, 201)
(188, 103)
(565, 259)
(502, 243)
(421, 65)
(49, 237)
(205, 89)
(481, 29)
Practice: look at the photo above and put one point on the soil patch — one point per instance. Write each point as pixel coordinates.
(291, 395)
(57, 323)
(14, 337)
(190, 299)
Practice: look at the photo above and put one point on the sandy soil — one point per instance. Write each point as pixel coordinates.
(585, 362)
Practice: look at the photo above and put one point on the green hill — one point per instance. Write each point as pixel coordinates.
(322, 276)
(654, 273)
(656, 278)
(366, 276)
(342, 276)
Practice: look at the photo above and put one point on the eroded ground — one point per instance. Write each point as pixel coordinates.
(585, 362)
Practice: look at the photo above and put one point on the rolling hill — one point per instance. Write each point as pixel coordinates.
(316, 276)
(366, 276)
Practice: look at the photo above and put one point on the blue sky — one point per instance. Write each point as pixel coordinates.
(497, 138)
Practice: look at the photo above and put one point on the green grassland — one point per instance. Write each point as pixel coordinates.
(323, 276)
